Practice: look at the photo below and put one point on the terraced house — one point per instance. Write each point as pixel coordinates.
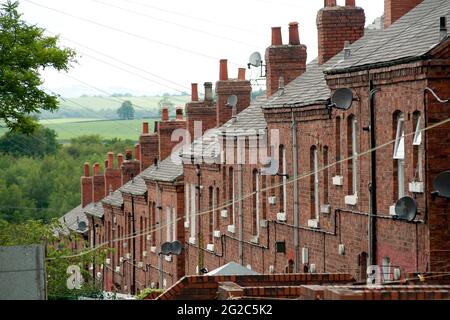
(289, 183)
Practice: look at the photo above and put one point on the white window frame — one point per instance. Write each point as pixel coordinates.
(168, 229)
(417, 141)
(233, 199)
(193, 209)
(186, 204)
(214, 195)
(355, 157)
(386, 269)
(316, 183)
(284, 180)
(257, 204)
(399, 155)
(174, 224)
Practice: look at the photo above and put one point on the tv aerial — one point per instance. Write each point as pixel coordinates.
(441, 185)
(171, 248)
(256, 61)
(406, 209)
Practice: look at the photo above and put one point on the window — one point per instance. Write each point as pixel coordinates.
(211, 214)
(231, 195)
(255, 204)
(146, 231)
(399, 157)
(338, 145)
(193, 206)
(153, 209)
(168, 229)
(174, 224)
(386, 269)
(141, 242)
(353, 155)
(417, 147)
(264, 197)
(217, 211)
(314, 180)
(325, 176)
(283, 179)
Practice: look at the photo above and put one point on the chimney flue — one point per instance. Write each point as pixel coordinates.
(208, 91)
(294, 37)
(96, 168)
(86, 170)
(241, 74)
(223, 70)
(145, 128)
(165, 113)
(179, 114)
(330, 3)
(128, 154)
(350, 3)
(276, 36)
(119, 160)
(137, 151)
(110, 160)
(194, 92)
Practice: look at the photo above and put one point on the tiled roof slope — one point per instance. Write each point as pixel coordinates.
(96, 210)
(135, 187)
(72, 218)
(166, 171)
(410, 38)
(114, 199)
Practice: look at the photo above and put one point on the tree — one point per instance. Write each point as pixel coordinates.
(41, 142)
(126, 111)
(165, 102)
(25, 51)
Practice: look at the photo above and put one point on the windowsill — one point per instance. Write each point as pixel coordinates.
(231, 229)
(263, 223)
(153, 249)
(416, 187)
(313, 223)
(254, 239)
(224, 213)
(217, 234)
(325, 209)
(338, 180)
(392, 210)
(186, 225)
(281, 217)
(351, 200)
(210, 247)
(192, 240)
(168, 258)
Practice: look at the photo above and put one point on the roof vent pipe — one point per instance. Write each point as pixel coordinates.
(347, 50)
(208, 91)
(443, 28)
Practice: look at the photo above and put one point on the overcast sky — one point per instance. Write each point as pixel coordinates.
(147, 46)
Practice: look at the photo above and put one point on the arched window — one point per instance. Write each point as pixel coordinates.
(141, 227)
(231, 195)
(211, 214)
(338, 145)
(417, 147)
(255, 203)
(153, 208)
(264, 197)
(399, 155)
(326, 199)
(314, 183)
(283, 178)
(186, 204)
(217, 211)
(352, 147)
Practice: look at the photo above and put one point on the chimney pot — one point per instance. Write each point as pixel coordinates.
(119, 160)
(350, 3)
(128, 154)
(208, 91)
(106, 163)
(137, 151)
(145, 128)
(294, 37)
(110, 160)
(96, 169)
(223, 70)
(194, 91)
(329, 3)
(241, 74)
(165, 113)
(276, 36)
(179, 114)
(86, 169)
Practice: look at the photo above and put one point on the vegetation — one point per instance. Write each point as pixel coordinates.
(25, 51)
(47, 185)
(126, 111)
(35, 232)
(147, 291)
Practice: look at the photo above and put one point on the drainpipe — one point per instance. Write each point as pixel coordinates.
(373, 177)
(241, 216)
(93, 246)
(295, 197)
(133, 289)
(201, 254)
(160, 257)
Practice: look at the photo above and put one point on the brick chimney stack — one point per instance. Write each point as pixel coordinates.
(395, 9)
(194, 92)
(98, 184)
(226, 87)
(336, 25)
(137, 152)
(148, 147)
(165, 130)
(130, 168)
(86, 186)
(179, 114)
(113, 176)
(201, 113)
(286, 61)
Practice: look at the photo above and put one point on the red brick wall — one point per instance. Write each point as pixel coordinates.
(149, 150)
(165, 130)
(395, 9)
(86, 190)
(130, 169)
(336, 25)
(204, 111)
(225, 88)
(113, 180)
(98, 187)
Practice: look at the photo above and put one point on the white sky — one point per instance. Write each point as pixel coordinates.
(148, 36)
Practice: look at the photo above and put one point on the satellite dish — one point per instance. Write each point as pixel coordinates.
(176, 247)
(232, 101)
(342, 98)
(166, 249)
(406, 208)
(82, 226)
(442, 184)
(255, 59)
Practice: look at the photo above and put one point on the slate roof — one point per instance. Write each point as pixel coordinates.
(410, 38)
(114, 199)
(166, 171)
(135, 187)
(70, 221)
(96, 210)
